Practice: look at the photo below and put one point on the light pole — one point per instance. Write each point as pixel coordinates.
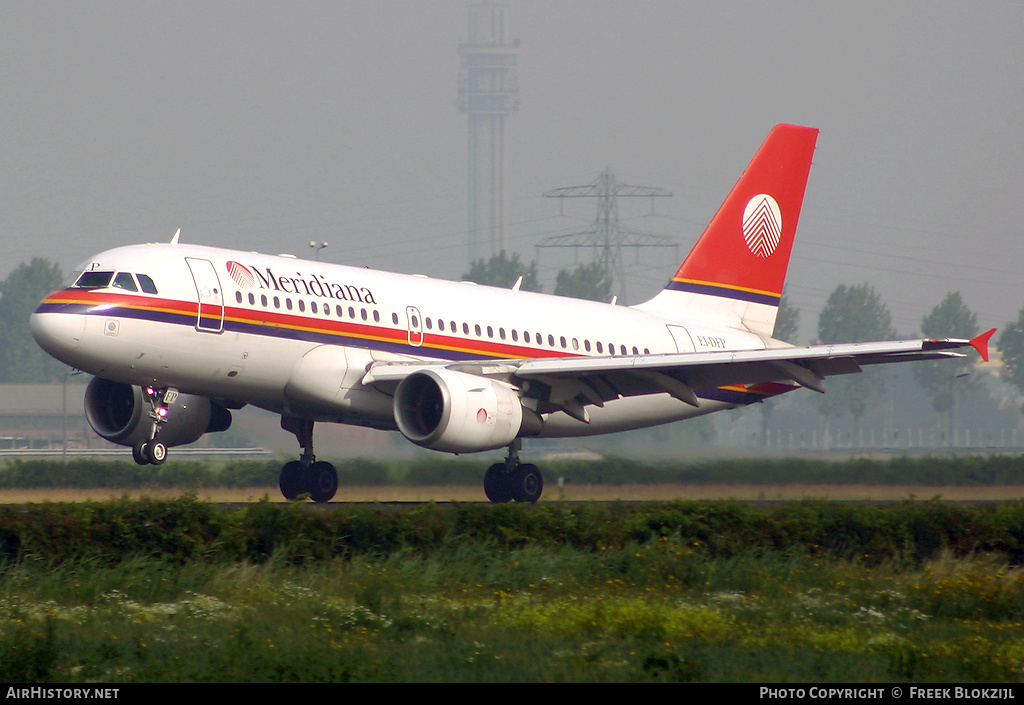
(317, 246)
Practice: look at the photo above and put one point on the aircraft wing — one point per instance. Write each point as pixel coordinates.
(570, 383)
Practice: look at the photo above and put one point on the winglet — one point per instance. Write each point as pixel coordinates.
(980, 343)
(174, 240)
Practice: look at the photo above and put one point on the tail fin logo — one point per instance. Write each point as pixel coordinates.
(762, 225)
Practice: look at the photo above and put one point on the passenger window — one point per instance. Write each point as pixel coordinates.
(238, 297)
(146, 283)
(124, 280)
(394, 318)
(376, 316)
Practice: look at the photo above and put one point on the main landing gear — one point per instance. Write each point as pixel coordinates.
(513, 481)
(306, 475)
(152, 451)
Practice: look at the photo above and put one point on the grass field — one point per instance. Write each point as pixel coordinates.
(802, 592)
(176, 589)
(471, 612)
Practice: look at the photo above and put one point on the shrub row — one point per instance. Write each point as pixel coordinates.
(442, 470)
(187, 529)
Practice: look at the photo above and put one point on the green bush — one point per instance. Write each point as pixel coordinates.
(186, 529)
(439, 469)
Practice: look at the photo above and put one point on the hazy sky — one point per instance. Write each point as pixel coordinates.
(264, 125)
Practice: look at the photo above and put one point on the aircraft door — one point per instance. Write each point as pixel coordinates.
(210, 316)
(682, 338)
(415, 322)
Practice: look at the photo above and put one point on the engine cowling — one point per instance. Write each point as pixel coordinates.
(457, 412)
(119, 413)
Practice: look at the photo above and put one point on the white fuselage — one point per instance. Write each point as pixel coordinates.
(296, 337)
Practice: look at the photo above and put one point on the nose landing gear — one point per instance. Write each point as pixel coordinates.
(152, 451)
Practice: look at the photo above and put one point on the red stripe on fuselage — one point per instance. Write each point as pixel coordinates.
(433, 343)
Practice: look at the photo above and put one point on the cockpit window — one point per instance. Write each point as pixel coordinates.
(124, 280)
(120, 280)
(93, 280)
(146, 283)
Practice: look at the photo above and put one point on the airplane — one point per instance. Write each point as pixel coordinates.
(177, 336)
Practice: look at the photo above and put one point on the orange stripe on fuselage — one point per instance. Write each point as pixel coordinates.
(733, 287)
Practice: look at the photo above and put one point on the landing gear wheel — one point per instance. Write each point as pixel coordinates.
(156, 452)
(139, 453)
(149, 453)
(292, 480)
(497, 486)
(526, 483)
(322, 480)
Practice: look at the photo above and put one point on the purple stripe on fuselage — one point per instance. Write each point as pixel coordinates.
(724, 292)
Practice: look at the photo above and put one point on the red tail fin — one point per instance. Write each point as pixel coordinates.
(742, 257)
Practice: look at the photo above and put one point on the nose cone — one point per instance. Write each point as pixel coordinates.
(57, 333)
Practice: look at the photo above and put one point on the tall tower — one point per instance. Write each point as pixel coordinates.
(488, 94)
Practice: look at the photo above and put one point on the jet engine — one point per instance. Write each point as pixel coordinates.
(120, 413)
(458, 412)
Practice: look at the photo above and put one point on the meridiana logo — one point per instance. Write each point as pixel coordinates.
(241, 274)
(762, 225)
(308, 285)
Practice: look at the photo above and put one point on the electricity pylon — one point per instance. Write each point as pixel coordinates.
(606, 237)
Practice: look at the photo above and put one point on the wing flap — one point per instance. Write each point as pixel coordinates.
(572, 383)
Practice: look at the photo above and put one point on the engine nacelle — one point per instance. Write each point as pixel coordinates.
(457, 412)
(119, 413)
